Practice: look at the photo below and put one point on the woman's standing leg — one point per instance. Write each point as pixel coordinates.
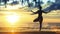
(40, 22)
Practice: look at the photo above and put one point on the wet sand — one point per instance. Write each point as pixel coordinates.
(42, 32)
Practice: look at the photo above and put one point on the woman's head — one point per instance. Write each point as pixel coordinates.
(40, 7)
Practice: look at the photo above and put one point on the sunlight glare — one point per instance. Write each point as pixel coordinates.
(12, 18)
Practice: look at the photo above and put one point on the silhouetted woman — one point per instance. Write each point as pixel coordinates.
(40, 17)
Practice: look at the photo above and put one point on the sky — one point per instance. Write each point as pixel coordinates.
(45, 1)
(48, 0)
(41, 0)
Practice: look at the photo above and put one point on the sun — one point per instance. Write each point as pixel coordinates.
(12, 18)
